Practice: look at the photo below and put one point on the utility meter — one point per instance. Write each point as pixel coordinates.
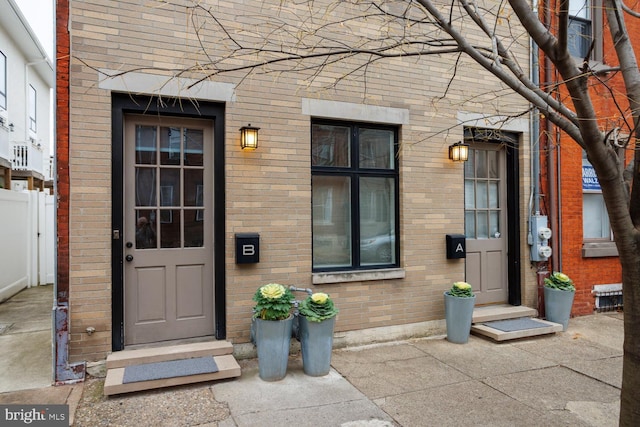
(539, 235)
(544, 251)
(544, 233)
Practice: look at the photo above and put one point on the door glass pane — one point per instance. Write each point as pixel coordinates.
(331, 198)
(469, 165)
(483, 225)
(377, 221)
(482, 198)
(469, 194)
(193, 228)
(376, 148)
(170, 228)
(193, 147)
(330, 145)
(145, 145)
(193, 187)
(492, 158)
(170, 187)
(481, 164)
(145, 186)
(494, 224)
(493, 195)
(470, 224)
(169, 146)
(145, 229)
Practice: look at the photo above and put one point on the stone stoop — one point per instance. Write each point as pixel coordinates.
(482, 315)
(221, 351)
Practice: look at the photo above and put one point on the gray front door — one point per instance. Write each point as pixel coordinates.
(486, 222)
(168, 215)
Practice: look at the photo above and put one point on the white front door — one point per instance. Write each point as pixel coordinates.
(168, 215)
(486, 222)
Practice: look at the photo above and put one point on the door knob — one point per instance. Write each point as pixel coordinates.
(129, 244)
(129, 258)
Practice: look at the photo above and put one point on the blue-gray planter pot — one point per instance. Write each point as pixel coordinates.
(458, 315)
(316, 344)
(273, 338)
(557, 306)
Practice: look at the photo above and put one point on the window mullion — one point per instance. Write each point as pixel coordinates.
(355, 219)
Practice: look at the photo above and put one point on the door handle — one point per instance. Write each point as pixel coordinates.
(129, 258)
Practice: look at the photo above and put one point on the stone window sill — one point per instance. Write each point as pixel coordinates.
(357, 276)
(599, 249)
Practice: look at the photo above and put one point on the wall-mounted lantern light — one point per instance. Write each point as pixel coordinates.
(11, 127)
(459, 152)
(249, 137)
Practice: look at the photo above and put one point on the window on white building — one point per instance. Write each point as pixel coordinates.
(3, 81)
(32, 108)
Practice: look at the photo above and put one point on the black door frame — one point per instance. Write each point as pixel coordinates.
(126, 103)
(511, 141)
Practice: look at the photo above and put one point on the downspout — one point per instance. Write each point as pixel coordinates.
(552, 145)
(557, 259)
(535, 130)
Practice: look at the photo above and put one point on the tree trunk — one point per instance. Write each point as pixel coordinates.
(629, 402)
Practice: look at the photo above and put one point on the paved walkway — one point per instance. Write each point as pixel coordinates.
(25, 339)
(570, 379)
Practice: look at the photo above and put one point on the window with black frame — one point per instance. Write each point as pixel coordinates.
(354, 195)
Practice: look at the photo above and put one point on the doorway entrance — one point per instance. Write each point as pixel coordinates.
(168, 204)
(491, 177)
(168, 221)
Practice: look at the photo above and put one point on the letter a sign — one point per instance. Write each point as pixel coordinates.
(456, 246)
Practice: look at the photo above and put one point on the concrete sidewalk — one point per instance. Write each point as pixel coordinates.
(572, 378)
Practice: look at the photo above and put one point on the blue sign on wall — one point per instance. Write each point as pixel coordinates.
(589, 178)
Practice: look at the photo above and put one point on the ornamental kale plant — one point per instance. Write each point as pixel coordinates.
(273, 302)
(559, 281)
(461, 290)
(318, 307)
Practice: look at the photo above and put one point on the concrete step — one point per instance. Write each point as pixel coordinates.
(120, 359)
(499, 335)
(117, 363)
(490, 313)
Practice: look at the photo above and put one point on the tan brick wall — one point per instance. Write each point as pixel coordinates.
(269, 190)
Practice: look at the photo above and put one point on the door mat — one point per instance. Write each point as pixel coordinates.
(519, 324)
(169, 369)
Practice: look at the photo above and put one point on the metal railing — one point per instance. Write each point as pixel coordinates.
(26, 156)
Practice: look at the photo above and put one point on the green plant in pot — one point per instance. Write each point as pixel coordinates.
(461, 290)
(273, 324)
(273, 302)
(559, 292)
(316, 324)
(459, 302)
(318, 307)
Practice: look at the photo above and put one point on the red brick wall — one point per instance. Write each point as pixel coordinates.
(62, 146)
(586, 272)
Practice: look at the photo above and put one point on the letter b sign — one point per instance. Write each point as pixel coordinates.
(247, 248)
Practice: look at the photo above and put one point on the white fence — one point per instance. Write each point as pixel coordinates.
(27, 241)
